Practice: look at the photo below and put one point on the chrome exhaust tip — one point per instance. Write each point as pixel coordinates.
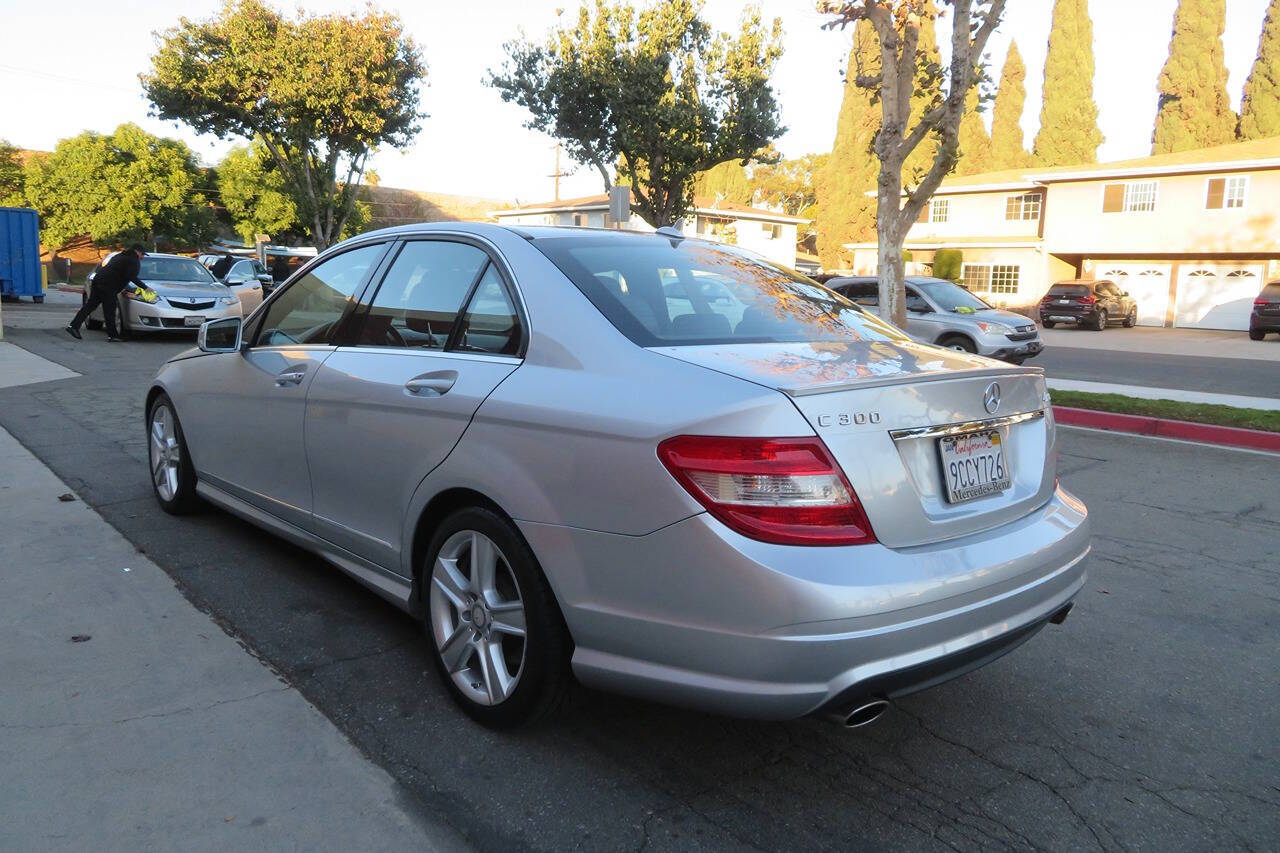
(862, 715)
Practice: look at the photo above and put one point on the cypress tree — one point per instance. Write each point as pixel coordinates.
(1194, 110)
(975, 143)
(1260, 109)
(1069, 132)
(1006, 117)
(846, 214)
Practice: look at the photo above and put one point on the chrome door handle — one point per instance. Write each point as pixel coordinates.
(432, 384)
(290, 377)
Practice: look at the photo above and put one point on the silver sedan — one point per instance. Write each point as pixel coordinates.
(752, 498)
(187, 294)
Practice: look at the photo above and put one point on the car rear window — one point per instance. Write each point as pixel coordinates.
(1069, 290)
(1271, 290)
(662, 291)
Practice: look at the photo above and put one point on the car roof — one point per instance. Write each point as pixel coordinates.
(1084, 282)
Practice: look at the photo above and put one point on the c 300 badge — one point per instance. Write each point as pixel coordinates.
(849, 419)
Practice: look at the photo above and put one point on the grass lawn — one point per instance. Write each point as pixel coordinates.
(1203, 413)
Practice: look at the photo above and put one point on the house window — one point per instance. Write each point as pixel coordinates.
(1022, 207)
(1226, 192)
(772, 230)
(1133, 197)
(992, 278)
(939, 209)
(579, 219)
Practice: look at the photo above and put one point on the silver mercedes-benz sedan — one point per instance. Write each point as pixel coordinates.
(641, 462)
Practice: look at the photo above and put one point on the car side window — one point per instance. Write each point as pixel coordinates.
(917, 303)
(864, 293)
(307, 310)
(491, 323)
(418, 302)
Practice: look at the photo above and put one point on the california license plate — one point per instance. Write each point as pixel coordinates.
(193, 321)
(974, 465)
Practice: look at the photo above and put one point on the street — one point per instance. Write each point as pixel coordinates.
(1147, 721)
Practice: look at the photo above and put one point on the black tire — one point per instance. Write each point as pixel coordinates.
(1132, 319)
(1048, 324)
(958, 342)
(184, 500)
(122, 330)
(1256, 334)
(544, 681)
(1100, 320)
(37, 299)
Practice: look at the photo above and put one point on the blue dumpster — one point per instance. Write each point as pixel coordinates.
(20, 254)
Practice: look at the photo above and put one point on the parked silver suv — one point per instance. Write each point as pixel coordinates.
(944, 313)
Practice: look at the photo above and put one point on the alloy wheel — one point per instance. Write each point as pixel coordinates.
(478, 617)
(165, 454)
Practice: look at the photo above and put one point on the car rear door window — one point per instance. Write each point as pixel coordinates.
(418, 302)
(309, 308)
(491, 323)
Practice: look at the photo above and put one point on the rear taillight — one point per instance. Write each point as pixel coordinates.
(783, 490)
(1261, 302)
(1088, 300)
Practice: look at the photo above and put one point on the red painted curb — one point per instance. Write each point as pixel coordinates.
(1254, 439)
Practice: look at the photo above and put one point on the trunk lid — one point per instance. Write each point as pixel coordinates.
(882, 407)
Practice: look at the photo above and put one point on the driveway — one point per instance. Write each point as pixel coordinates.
(1149, 720)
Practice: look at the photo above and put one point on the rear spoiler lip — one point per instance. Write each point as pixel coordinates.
(911, 378)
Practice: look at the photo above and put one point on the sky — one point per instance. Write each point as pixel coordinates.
(72, 65)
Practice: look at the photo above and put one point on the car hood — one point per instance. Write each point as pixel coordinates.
(810, 368)
(189, 289)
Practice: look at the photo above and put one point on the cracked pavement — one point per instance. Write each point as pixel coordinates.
(1148, 721)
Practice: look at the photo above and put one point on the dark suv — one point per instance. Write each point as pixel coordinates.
(1266, 312)
(1088, 303)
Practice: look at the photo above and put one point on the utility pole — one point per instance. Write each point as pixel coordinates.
(558, 174)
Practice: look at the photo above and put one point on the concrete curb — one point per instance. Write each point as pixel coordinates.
(1186, 430)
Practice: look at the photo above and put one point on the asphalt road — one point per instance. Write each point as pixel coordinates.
(1187, 372)
(1149, 720)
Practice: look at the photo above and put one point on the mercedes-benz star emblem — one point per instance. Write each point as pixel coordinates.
(991, 398)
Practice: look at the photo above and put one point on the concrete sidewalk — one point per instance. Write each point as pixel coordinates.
(129, 720)
(1144, 393)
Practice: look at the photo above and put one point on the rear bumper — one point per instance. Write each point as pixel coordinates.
(697, 615)
(1264, 322)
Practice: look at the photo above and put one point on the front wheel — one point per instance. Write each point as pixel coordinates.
(122, 324)
(959, 343)
(496, 633)
(1131, 320)
(173, 478)
(1100, 322)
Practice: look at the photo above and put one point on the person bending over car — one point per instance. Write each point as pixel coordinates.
(112, 277)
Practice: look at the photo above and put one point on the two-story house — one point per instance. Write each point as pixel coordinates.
(766, 232)
(1192, 236)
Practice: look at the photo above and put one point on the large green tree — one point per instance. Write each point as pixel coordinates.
(1194, 109)
(846, 213)
(1260, 108)
(11, 182)
(649, 97)
(905, 71)
(726, 181)
(788, 184)
(128, 185)
(254, 195)
(1007, 151)
(1069, 132)
(319, 92)
(975, 142)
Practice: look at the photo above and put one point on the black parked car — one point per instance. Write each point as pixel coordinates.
(1088, 303)
(1266, 312)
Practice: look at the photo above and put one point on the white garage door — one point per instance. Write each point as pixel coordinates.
(1146, 283)
(1217, 296)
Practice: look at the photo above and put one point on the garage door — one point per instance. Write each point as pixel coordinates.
(1146, 283)
(1217, 296)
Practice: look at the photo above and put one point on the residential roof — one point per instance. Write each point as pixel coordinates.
(1257, 153)
(701, 204)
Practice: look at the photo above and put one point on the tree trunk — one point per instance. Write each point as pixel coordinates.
(890, 269)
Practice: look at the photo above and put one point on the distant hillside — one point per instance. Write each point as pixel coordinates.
(396, 206)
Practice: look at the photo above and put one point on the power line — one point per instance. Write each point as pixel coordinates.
(62, 78)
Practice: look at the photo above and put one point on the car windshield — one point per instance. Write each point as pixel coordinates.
(174, 269)
(950, 296)
(674, 292)
(1069, 290)
(1271, 290)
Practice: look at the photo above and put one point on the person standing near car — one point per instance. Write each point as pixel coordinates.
(222, 266)
(112, 277)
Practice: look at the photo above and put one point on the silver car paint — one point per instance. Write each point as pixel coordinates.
(130, 313)
(661, 599)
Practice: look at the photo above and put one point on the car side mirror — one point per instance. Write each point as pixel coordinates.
(220, 335)
(1126, 293)
(236, 279)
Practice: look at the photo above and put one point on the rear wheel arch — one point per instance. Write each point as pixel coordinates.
(440, 507)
